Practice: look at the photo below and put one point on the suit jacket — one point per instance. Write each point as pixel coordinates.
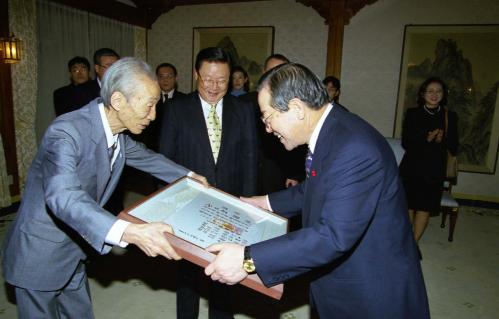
(72, 97)
(356, 237)
(184, 139)
(150, 136)
(61, 213)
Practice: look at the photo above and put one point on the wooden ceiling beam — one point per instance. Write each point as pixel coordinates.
(337, 14)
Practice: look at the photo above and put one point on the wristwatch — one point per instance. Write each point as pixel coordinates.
(248, 264)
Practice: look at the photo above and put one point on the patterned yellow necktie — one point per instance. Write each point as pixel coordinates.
(214, 131)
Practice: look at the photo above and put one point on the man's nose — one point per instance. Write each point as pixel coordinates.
(268, 128)
(152, 113)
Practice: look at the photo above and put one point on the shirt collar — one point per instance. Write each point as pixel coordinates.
(110, 138)
(170, 94)
(318, 127)
(206, 104)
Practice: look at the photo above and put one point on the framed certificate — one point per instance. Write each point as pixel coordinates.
(202, 216)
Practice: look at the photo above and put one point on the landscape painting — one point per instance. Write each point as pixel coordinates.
(466, 58)
(248, 47)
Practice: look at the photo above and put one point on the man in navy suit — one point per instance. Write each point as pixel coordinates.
(212, 133)
(356, 238)
(76, 168)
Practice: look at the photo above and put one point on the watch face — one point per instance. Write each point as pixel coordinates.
(249, 266)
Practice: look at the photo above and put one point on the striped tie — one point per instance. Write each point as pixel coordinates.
(214, 131)
(110, 153)
(308, 162)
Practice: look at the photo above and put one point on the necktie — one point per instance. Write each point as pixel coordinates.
(164, 97)
(214, 131)
(110, 153)
(308, 162)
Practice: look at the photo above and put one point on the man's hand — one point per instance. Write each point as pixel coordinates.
(258, 201)
(290, 182)
(227, 267)
(151, 239)
(201, 179)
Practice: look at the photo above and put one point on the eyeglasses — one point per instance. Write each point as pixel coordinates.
(209, 82)
(266, 119)
(105, 67)
(166, 76)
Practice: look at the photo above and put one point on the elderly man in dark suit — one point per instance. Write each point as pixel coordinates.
(212, 133)
(76, 169)
(356, 237)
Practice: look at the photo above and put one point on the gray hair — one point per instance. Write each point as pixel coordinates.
(124, 76)
(292, 80)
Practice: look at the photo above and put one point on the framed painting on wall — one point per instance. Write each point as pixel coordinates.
(248, 47)
(465, 58)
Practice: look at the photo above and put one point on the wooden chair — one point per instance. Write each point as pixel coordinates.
(448, 204)
(449, 207)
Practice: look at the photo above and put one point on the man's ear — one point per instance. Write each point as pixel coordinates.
(297, 106)
(195, 74)
(117, 100)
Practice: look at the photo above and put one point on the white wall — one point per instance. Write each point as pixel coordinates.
(300, 33)
(371, 54)
(371, 64)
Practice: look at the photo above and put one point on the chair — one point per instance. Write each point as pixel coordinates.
(448, 205)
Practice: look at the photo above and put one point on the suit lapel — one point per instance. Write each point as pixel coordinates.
(228, 123)
(199, 126)
(118, 166)
(323, 146)
(101, 155)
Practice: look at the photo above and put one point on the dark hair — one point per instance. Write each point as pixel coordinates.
(166, 65)
(292, 80)
(424, 86)
(78, 60)
(243, 71)
(104, 52)
(211, 54)
(276, 56)
(332, 79)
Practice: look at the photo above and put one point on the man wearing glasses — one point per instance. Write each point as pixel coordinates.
(103, 59)
(356, 242)
(212, 133)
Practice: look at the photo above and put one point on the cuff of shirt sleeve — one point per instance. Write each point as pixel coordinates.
(190, 174)
(116, 233)
(268, 203)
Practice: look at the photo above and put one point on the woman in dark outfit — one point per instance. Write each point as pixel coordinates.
(425, 141)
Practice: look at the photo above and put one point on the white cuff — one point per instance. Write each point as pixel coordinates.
(190, 174)
(115, 234)
(268, 202)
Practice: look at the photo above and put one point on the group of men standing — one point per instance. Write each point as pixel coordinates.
(356, 236)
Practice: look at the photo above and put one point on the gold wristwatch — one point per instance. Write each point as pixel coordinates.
(248, 264)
